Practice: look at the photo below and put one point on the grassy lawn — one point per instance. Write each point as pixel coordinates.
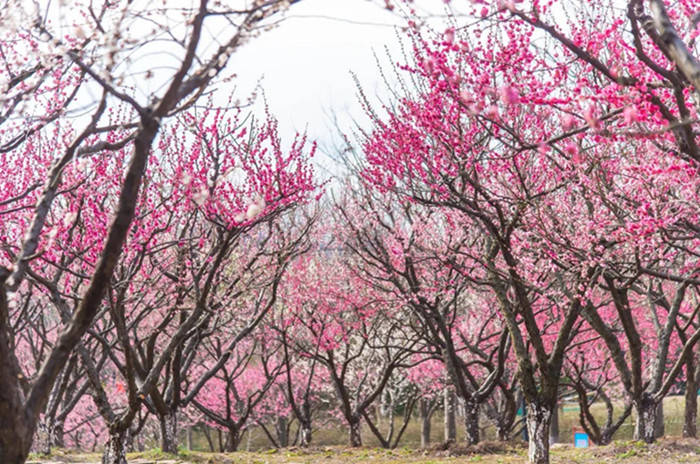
(335, 434)
(329, 449)
(628, 452)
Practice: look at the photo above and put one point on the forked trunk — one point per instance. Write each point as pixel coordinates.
(538, 421)
(606, 437)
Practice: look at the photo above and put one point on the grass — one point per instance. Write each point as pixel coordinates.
(336, 434)
(624, 452)
(329, 440)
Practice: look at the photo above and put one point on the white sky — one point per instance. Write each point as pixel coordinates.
(305, 62)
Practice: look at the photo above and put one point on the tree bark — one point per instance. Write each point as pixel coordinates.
(15, 436)
(659, 428)
(115, 449)
(57, 438)
(554, 426)
(691, 399)
(646, 419)
(538, 422)
(42, 437)
(501, 432)
(471, 422)
(355, 436)
(282, 430)
(450, 422)
(305, 434)
(233, 440)
(16, 426)
(425, 423)
(168, 432)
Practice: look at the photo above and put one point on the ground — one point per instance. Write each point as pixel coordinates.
(670, 450)
(328, 436)
(335, 434)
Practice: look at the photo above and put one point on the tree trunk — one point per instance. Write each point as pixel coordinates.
(425, 423)
(42, 438)
(168, 432)
(471, 422)
(207, 435)
(282, 430)
(659, 428)
(691, 399)
(129, 440)
(233, 440)
(355, 437)
(450, 421)
(115, 449)
(646, 419)
(305, 434)
(16, 429)
(538, 421)
(606, 434)
(501, 432)
(15, 437)
(554, 426)
(57, 438)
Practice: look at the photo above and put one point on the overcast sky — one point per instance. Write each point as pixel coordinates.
(305, 62)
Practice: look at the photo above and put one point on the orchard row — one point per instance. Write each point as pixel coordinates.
(519, 220)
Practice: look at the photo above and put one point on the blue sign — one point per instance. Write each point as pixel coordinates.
(580, 440)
